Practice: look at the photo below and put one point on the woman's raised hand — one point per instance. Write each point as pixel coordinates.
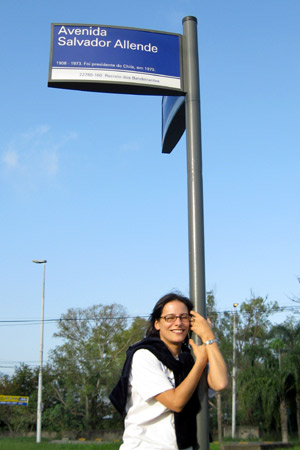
(201, 326)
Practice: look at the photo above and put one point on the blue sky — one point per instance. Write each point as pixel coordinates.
(83, 182)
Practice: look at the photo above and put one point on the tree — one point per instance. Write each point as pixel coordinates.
(253, 325)
(296, 298)
(294, 361)
(285, 342)
(270, 373)
(254, 321)
(24, 383)
(87, 364)
(221, 328)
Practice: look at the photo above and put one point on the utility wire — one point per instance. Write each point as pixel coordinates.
(16, 322)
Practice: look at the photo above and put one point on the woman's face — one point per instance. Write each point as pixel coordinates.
(173, 333)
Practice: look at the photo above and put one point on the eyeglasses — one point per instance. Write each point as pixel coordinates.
(169, 318)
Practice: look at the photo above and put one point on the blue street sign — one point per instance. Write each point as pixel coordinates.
(113, 59)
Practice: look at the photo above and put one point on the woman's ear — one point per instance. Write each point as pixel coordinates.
(156, 325)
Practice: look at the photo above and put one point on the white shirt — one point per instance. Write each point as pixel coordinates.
(149, 425)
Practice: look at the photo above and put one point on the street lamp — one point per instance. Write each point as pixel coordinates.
(39, 402)
(234, 376)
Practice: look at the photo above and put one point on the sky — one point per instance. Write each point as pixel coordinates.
(85, 186)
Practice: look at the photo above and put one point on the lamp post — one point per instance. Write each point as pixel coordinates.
(39, 402)
(234, 376)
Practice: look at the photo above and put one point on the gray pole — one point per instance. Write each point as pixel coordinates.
(233, 428)
(195, 198)
(40, 383)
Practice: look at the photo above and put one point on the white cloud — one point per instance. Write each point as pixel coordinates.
(51, 162)
(35, 153)
(132, 146)
(40, 130)
(10, 158)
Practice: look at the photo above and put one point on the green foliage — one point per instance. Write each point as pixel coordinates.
(81, 372)
(86, 364)
(254, 320)
(24, 383)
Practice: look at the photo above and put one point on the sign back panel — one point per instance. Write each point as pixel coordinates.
(113, 59)
(173, 121)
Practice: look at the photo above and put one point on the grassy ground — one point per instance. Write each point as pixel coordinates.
(30, 444)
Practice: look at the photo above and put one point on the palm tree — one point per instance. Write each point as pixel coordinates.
(290, 330)
(285, 342)
(262, 385)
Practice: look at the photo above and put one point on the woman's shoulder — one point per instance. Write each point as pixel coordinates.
(143, 354)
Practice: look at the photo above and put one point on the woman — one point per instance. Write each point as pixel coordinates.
(156, 392)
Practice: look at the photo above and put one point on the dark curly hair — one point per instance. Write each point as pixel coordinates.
(157, 311)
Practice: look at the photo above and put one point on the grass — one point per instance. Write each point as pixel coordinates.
(30, 444)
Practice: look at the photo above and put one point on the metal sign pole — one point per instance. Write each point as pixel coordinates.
(40, 382)
(195, 198)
